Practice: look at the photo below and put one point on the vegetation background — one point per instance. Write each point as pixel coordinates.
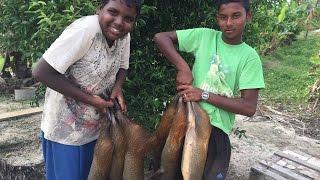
(28, 27)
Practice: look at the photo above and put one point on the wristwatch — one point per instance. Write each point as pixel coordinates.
(205, 95)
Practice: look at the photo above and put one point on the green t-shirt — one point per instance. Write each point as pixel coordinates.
(223, 69)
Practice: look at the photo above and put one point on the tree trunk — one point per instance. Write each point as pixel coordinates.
(5, 72)
(20, 67)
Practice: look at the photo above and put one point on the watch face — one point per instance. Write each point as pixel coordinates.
(205, 95)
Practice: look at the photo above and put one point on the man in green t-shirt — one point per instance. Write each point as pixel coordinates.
(225, 78)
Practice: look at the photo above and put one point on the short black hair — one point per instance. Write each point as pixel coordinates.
(245, 3)
(130, 3)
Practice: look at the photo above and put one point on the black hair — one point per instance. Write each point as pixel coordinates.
(130, 3)
(245, 3)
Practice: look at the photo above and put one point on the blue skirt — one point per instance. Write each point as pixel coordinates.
(65, 162)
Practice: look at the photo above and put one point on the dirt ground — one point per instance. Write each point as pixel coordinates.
(8, 104)
(19, 137)
(19, 141)
(20, 144)
(264, 137)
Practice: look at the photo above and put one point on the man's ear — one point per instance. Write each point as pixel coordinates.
(216, 17)
(249, 16)
(98, 11)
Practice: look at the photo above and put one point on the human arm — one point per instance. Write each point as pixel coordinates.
(46, 74)
(165, 42)
(117, 89)
(245, 105)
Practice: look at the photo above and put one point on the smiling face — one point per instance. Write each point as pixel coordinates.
(232, 18)
(116, 19)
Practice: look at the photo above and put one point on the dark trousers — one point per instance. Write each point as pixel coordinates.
(218, 157)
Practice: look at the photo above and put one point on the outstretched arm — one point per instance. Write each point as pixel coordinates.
(245, 105)
(46, 74)
(165, 42)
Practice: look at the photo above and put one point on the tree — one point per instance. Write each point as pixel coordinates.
(28, 27)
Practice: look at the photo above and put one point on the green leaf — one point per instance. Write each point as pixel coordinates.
(282, 14)
(71, 8)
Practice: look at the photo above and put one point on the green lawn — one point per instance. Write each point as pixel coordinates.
(286, 73)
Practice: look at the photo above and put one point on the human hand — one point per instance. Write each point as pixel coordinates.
(184, 77)
(101, 104)
(189, 93)
(118, 95)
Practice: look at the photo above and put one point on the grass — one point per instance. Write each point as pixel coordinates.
(286, 73)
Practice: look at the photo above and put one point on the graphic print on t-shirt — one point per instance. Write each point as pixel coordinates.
(215, 80)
